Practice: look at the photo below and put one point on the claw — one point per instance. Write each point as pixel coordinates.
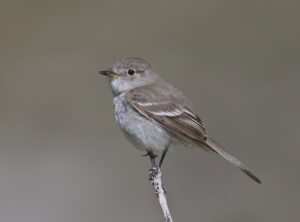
(152, 173)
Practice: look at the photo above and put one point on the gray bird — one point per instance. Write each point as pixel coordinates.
(154, 115)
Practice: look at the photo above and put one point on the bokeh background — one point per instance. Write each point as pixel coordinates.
(62, 156)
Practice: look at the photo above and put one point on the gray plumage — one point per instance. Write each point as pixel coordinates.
(153, 114)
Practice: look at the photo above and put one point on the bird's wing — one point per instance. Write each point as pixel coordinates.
(179, 119)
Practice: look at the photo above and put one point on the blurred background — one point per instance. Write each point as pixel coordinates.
(62, 156)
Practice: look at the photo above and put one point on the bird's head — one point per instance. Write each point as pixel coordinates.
(129, 73)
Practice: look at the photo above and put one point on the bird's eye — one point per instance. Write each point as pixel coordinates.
(131, 72)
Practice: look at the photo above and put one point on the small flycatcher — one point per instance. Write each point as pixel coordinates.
(154, 115)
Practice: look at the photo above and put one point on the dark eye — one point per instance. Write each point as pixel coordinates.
(131, 72)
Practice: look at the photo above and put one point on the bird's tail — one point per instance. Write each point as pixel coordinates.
(218, 149)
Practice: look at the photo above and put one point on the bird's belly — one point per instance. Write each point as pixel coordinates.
(141, 132)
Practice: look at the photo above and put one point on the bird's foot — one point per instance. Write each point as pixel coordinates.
(153, 173)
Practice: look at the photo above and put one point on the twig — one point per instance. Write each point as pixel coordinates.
(156, 181)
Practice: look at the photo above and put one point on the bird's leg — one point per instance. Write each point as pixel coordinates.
(162, 157)
(153, 170)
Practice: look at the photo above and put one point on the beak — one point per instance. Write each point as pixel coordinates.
(109, 73)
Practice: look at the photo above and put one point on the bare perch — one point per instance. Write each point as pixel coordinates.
(156, 181)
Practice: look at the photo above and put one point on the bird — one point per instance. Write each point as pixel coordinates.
(154, 115)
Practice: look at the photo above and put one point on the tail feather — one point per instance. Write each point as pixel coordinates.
(218, 149)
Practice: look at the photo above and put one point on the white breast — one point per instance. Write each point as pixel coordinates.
(141, 132)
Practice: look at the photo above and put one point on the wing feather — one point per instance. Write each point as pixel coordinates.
(176, 118)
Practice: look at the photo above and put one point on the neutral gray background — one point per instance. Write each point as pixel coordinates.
(62, 156)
